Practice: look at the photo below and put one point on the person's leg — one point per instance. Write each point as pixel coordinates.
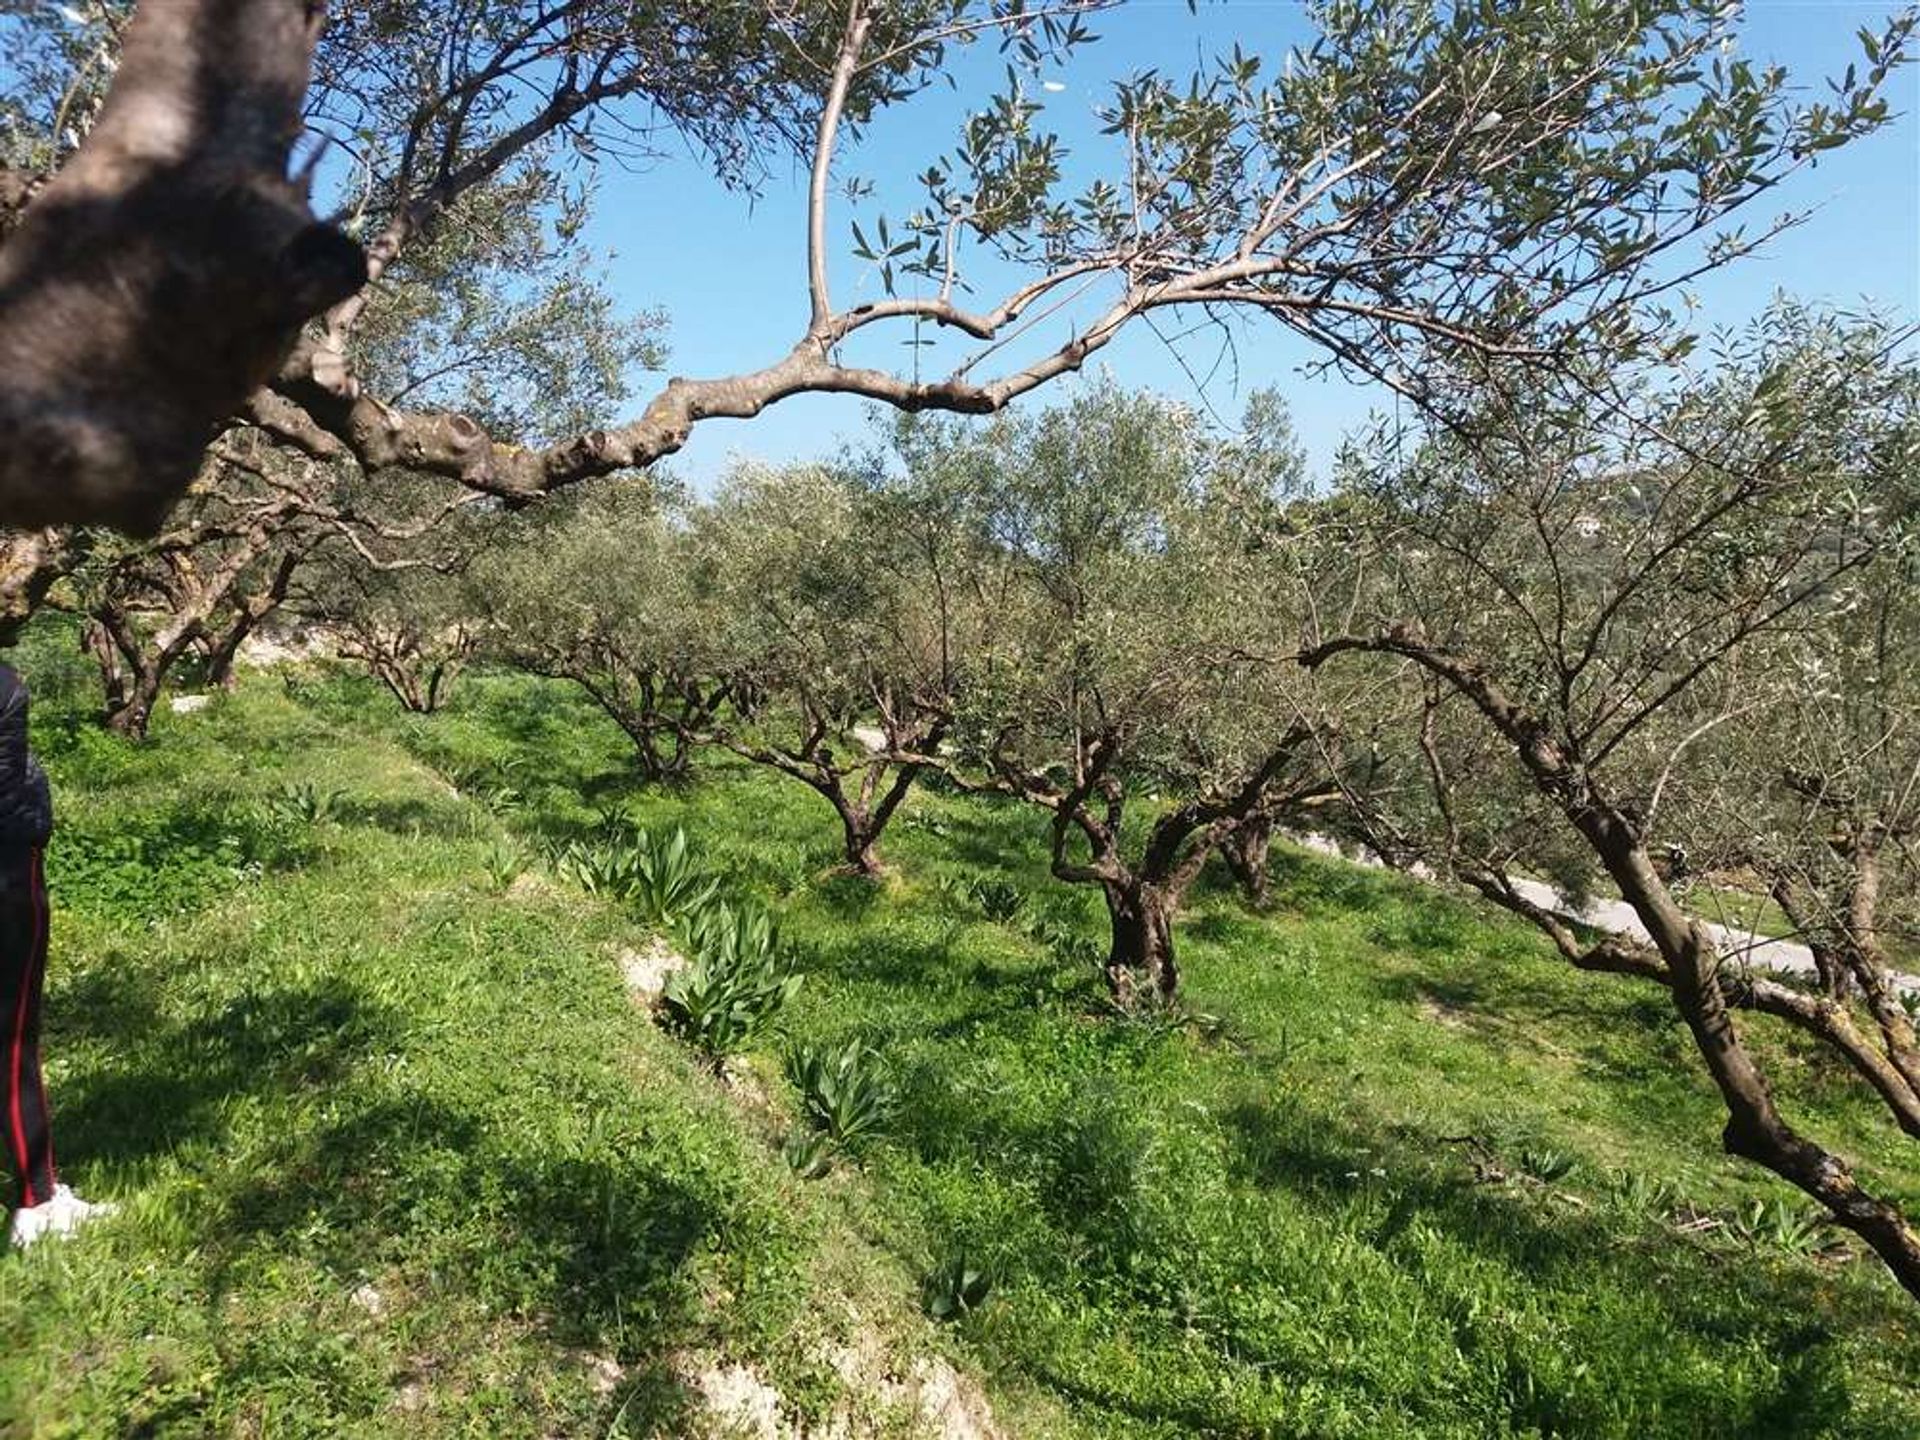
(23, 967)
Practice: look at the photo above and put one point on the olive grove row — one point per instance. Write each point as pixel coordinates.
(1608, 601)
(1658, 652)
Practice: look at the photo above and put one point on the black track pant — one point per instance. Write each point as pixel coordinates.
(23, 971)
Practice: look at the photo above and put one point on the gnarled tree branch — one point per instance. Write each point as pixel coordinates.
(161, 275)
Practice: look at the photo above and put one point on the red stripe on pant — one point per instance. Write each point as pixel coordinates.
(23, 973)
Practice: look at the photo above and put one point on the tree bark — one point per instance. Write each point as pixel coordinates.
(99, 646)
(1143, 898)
(1850, 960)
(159, 278)
(439, 680)
(1140, 963)
(864, 810)
(861, 822)
(863, 819)
(1755, 1129)
(659, 764)
(1828, 965)
(31, 563)
(129, 714)
(220, 658)
(1245, 852)
(399, 684)
(858, 836)
(661, 715)
(1866, 961)
(129, 677)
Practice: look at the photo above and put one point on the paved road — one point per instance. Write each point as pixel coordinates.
(1617, 917)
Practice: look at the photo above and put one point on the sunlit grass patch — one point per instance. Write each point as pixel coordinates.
(400, 1156)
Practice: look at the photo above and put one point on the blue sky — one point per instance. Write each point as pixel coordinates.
(730, 269)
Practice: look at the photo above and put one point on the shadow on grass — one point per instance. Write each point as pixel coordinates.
(1610, 1030)
(1167, 1417)
(847, 896)
(170, 1083)
(1309, 885)
(588, 1242)
(149, 863)
(1083, 1157)
(947, 994)
(1274, 1149)
(980, 843)
(1086, 1174)
(1508, 1014)
(594, 1244)
(444, 817)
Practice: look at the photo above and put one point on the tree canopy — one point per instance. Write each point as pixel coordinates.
(1425, 192)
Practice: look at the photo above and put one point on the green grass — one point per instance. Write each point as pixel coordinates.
(399, 1156)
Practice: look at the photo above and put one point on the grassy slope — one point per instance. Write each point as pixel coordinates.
(368, 1067)
(398, 1156)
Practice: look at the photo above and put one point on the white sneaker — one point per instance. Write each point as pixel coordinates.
(65, 1213)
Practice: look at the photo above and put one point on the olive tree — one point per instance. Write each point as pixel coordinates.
(410, 633)
(504, 311)
(1423, 190)
(852, 606)
(813, 619)
(224, 563)
(32, 562)
(1574, 585)
(398, 598)
(597, 591)
(1137, 688)
(1817, 806)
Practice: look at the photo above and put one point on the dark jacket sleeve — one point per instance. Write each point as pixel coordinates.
(26, 806)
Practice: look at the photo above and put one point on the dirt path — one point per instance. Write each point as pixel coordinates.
(1617, 918)
(1760, 951)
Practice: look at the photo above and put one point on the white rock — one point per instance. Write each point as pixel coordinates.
(266, 651)
(645, 971)
(942, 1403)
(950, 1405)
(740, 1400)
(187, 704)
(604, 1374)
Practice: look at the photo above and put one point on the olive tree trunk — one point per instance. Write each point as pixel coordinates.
(1140, 963)
(163, 273)
(1246, 852)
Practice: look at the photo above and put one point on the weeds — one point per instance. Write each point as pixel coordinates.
(504, 864)
(495, 786)
(597, 867)
(1778, 1225)
(1545, 1165)
(1643, 1194)
(1065, 934)
(303, 804)
(844, 1092)
(809, 1153)
(999, 899)
(954, 1290)
(1155, 1235)
(657, 875)
(735, 983)
(150, 864)
(667, 885)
